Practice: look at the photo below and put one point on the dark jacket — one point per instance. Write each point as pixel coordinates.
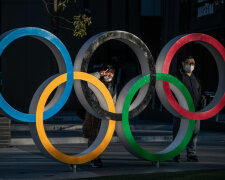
(91, 124)
(193, 85)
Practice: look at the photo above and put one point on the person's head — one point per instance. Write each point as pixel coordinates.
(109, 73)
(188, 64)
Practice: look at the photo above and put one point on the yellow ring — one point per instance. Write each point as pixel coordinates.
(40, 126)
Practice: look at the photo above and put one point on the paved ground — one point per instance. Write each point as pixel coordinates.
(26, 162)
(70, 132)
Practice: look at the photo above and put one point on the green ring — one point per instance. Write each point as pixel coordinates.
(126, 126)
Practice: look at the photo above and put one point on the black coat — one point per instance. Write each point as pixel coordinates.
(91, 124)
(193, 85)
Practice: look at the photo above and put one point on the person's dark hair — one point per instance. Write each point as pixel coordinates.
(109, 67)
(188, 57)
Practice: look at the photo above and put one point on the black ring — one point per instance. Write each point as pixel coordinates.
(145, 58)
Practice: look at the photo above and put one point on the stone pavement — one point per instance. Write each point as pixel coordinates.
(70, 132)
(26, 161)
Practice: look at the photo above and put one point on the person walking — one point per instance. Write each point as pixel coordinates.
(187, 77)
(92, 124)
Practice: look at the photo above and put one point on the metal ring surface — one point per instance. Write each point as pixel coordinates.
(186, 127)
(106, 130)
(163, 65)
(147, 66)
(64, 63)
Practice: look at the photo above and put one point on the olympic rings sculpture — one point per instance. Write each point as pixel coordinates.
(115, 117)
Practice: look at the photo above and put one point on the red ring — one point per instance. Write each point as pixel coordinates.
(182, 41)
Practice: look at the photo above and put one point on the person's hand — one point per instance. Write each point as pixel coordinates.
(203, 98)
(103, 73)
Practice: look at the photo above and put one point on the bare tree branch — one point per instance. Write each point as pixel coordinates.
(53, 16)
(79, 25)
(63, 27)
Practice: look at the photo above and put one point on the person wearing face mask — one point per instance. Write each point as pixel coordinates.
(186, 76)
(92, 124)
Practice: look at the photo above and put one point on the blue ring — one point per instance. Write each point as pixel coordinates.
(10, 36)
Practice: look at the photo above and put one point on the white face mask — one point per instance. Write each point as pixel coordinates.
(189, 68)
(107, 79)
